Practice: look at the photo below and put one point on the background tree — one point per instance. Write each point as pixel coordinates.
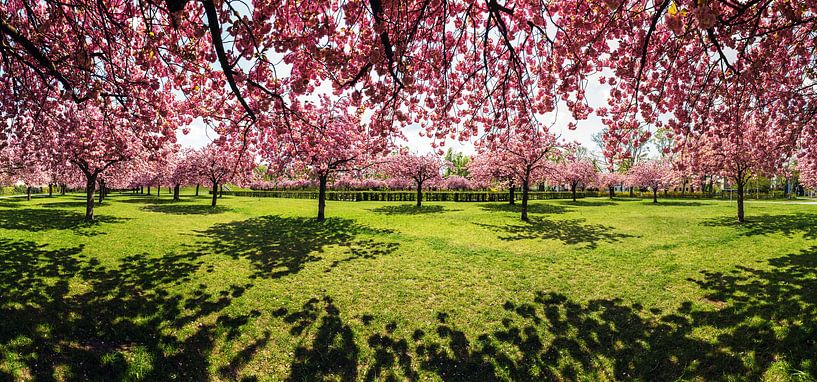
(223, 163)
(575, 172)
(493, 168)
(527, 151)
(459, 164)
(327, 138)
(417, 168)
(608, 181)
(655, 175)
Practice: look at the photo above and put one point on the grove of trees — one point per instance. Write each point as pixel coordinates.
(94, 93)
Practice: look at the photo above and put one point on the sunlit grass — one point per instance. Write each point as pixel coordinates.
(591, 290)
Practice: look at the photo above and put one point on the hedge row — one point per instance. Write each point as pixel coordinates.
(20, 190)
(704, 195)
(407, 196)
(480, 196)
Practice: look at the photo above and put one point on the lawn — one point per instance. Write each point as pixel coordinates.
(256, 290)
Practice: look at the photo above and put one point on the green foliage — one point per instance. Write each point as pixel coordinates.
(596, 289)
(459, 163)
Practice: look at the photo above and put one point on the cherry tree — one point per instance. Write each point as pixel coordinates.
(223, 163)
(575, 172)
(490, 167)
(740, 136)
(327, 138)
(182, 171)
(608, 181)
(527, 152)
(654, 174)
(417, 168)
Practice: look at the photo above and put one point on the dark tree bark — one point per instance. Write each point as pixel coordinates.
(220, 190)
(419, 194)
(511, 194)
(741, 183)
(176, 192)
(612, 191)
(573, 190)
(50, 190)
(28, 193)
(197, 189)
(90, 187)
(655, 195)
(148, 190)
(158, 190)
(62, 189)
(525, 185)
(321, 197)
(101, 191)
(215, 194)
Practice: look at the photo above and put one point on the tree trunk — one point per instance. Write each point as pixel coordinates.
(197, 189)
(158, 190)
(419, 194)
(62, 190)
(90, 186)
(632, 192)
(740, 183)
(511, 195)
(220, 190)
(573, 191)
(50, 190)
(525, 200)
(321, 197)
(28, 193)
(176, 192)
(612, 191)
(215, 194)
(101, 191)
(655, 195)
(148, 190)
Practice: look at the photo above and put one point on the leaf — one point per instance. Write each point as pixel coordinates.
(673, 9)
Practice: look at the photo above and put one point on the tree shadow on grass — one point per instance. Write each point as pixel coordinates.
(534, 208)
(76, 204)
(36, 220)
(555, 338)
(410, 209)
(278, 246)
(588, 203)
(572, 231)
(676, 203)
(185, 209)
(67, 317)
(788, 225)
(766, 313)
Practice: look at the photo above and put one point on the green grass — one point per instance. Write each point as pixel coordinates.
(255, 289)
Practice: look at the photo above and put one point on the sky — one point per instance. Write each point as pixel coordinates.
(200, 135)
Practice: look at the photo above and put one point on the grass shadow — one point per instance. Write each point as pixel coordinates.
(36, 220)
(676, 203)
(185, 209)
(77, 204)
(572, 232)
(278, 246)
(123, 323)
(588, 203)
(552, 337)
(534, 208)
(767, 312)
(410, 209)
(763, 225)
